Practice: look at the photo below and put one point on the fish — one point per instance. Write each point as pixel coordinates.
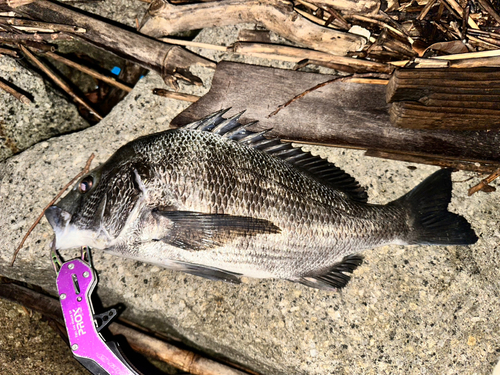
(217, 200)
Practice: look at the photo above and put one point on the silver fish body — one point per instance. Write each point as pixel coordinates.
(216, 200)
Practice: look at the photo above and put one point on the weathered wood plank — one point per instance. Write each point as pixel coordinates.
(418, 116)
(414, 84)
(341, 114)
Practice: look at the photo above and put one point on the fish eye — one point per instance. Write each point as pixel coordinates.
(86, 184)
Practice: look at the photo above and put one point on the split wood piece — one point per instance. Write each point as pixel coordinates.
(489, 58)
(426, 9)
(142, 343)
(413, 115)
(417, 84)
(164, 18)
(167, 60)
(355, 116)
(12, 91)
(59, 82)
(294, 54)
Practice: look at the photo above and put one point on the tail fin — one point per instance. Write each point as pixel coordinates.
(430, 219)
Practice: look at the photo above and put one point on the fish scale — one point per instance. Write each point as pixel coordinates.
(216, 200)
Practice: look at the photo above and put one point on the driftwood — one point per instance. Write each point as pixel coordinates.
(340, 114)
(164, 18)
(459, 99)
(167, 60)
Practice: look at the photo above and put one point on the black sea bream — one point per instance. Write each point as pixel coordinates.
(216, 200)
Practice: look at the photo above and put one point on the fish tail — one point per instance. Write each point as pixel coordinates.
(430, 221)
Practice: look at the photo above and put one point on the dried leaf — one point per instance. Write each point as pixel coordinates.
(450, 48)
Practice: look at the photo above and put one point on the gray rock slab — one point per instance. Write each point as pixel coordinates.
(124, 12)
(407, 310)
(23, 125)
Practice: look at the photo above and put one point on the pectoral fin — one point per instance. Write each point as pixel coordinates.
(199, 231)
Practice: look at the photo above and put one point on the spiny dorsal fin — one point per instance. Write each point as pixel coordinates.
(320, 168)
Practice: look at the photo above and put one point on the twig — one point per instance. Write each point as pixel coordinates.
(27, 25)
(426, 9)
(58, 81)
(12, 91)
(6, 36)
(459, 10)
(485, 4)
(381, 24)
(294, 54)
(318, 86)
(85, 170)
(179, 358)
(484, 184)
(458, 56)
(18, 3)
(176, 95)
(188, 43)
(10, 52)
(89, 71)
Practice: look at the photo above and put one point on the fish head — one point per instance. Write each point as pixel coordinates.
(99, 206)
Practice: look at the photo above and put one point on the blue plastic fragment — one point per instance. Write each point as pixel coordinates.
(116, 70)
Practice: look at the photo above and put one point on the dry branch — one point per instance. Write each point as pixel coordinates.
(483, 185)
(165, 59)
(36, 26)
(16, 94)
(59, 81)
(294, 54)
(176, 95)
(164, 18)
(179, 358)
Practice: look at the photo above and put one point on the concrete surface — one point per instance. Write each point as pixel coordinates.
(23, 125)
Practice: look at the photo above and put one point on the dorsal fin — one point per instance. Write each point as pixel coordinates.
(320, 168)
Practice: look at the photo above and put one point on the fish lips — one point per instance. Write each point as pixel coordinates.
(57, 217)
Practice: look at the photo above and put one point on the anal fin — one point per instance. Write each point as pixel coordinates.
(335, 277)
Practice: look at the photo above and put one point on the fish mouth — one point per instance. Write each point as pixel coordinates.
(68, 236)
(57, 217)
